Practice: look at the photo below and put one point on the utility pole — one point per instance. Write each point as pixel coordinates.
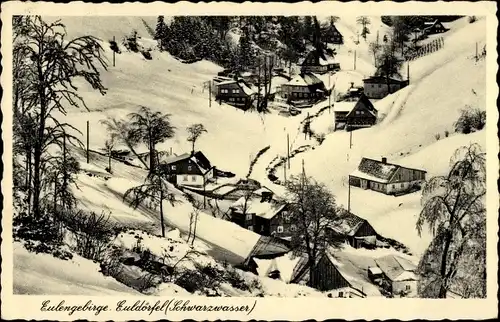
(114, 52)
(350, 139)
(349, 193)
(209, 94)
(408, 72)
(355, 60)
(204, 193)
(288, 149)
(284, 171)
(88, 130)
(329, 96)
(476, 52)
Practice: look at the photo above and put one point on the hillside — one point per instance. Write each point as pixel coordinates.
(442, 84)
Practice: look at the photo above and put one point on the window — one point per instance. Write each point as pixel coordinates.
(224, 91)
(293, 228)
(185, 178)
(341, 294)
(173, 167)
(193, 178)
(236, 91)
(280, 229)
(231, 99)
(248, 217)
(407, 287)
(401, 185)
(250, 228)
(189, 168)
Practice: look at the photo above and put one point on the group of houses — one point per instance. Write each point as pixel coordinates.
(302, 90)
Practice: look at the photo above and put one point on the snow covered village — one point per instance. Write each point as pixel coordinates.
(250, 156)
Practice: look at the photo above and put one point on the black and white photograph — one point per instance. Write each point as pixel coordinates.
(329, 155)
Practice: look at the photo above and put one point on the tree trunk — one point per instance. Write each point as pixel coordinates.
(444, 282)
(161, 214)
(192, 149)
(109, 161)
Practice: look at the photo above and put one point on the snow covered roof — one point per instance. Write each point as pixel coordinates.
(375, 170)
(347, 224)
(198, 158)
(397, 268)
(232, 81)
(305, 79)
(375, 270)
(268, 247)
(245, 88)
(298, 81)
(263, 209)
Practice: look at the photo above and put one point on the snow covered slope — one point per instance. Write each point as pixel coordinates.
(43, 274)
(441, 84)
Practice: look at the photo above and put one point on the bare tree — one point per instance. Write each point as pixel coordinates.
(364, 22)
(122, 132)
(194, 132)
(313, 210)
(374, 49)
(150, 128)
(154, 190)
(455, 213)
(193, 220)
(51, 63)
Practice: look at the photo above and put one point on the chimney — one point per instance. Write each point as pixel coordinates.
(384, 160)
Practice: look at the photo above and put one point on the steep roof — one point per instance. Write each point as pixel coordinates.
(364, 101)
(375, 170)
(268, 247)
(324, 58)
(347, 224)
(198, 158)
(397, 268)
(263, 209)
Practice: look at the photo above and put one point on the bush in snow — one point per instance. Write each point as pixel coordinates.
(92, 233)
(437, 136)
(200, 280)
(114, 47)
(40, 235)
(146, 54)
(470, 120)
(130, 42)
(472, 19)
(446, 133)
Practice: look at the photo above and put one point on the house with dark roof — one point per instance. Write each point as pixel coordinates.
(237, 93)
(338, 279)
(319, 61)
(332, 35)
(380, 86)
(188, 169)
(433, 27)
(262, 214)
(303, 90)
(399, 275)
(388, 178)
(354, 115)
(356, 231)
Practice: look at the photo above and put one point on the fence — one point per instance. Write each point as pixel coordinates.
(426, 49)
